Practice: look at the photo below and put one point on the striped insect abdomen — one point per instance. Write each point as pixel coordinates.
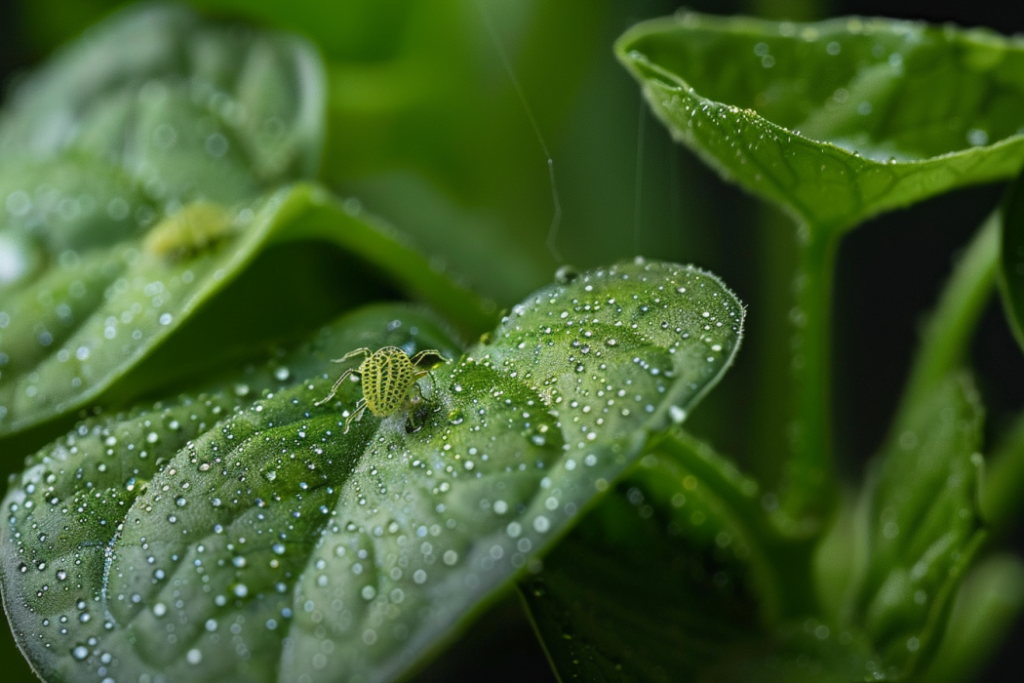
(387, 376)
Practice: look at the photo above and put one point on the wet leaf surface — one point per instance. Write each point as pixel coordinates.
(839, 120)
(223, 537)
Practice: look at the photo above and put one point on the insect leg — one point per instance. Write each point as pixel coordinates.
(419, 356)
(352, 354)
(334, 389)
(357, 415)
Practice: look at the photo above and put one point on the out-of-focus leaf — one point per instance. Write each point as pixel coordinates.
(676, 578)
(623, 598)
(923, 527)
(211, 537)
(946, 339)
(838, 120)
(73, 333)
(989, 601)
(1000, 498)
(1011, 259)
(130, 167)
(186, 108)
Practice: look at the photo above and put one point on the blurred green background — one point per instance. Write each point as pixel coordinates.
(429, 130)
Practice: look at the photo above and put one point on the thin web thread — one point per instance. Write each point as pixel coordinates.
(556, 219)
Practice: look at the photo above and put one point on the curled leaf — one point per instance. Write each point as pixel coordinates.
(838, 120)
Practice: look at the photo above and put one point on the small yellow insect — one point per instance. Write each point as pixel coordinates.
(387, 375)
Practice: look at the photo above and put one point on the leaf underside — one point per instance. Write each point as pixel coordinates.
(838, 120)
(666, 581)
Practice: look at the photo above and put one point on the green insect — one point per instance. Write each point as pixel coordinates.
(387, 376)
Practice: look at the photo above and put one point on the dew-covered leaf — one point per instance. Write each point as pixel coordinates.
(923, 527)
(214, 538)
(170, 424)
(77, 330)
(679, 577)
(839, 120)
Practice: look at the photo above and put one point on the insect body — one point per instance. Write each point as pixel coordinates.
(387, 376)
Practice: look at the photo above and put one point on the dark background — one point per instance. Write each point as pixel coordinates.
(915, 248)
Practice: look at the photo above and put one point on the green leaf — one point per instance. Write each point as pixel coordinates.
(633, 595)
(130, 171)
(839, 120)
(1011, 259)
(79, 329)
(951, 326)
(187, 108)
(987, 605)
(130, 168)
(676, 578)
(923, 526)
(210, 537)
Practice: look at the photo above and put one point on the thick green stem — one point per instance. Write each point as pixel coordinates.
(951, 326)
(769, 347)
(810, 492)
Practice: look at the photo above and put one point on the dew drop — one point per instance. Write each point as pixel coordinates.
(566, 274)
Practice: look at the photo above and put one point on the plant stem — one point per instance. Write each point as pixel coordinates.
(810, 492)
(951, 326)
(770, 341)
